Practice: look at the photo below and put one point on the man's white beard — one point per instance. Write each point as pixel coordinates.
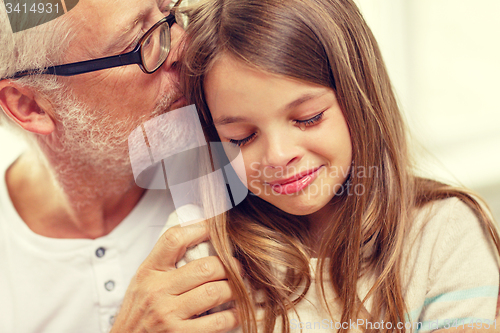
(91, 156)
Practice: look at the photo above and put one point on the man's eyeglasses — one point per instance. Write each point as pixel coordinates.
(150, 53)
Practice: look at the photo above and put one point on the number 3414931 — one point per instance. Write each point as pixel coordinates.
(36, 8)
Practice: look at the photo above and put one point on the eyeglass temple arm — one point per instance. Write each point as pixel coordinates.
(177, 4)
(88, 66)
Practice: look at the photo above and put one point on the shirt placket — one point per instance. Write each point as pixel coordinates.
(109, 282)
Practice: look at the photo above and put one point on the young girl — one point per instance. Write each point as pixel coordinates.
(338, 232)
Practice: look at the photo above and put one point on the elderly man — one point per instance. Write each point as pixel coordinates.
(75, 231)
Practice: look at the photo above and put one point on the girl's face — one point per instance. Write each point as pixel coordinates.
(292, 134)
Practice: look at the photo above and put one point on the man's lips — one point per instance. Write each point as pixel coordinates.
(292, 179)
(178, 103)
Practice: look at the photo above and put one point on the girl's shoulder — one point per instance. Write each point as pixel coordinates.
(443, 218)
(444, 225)
(450, 264)
(443, 209)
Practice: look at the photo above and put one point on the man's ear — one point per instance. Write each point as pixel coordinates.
(25, 108)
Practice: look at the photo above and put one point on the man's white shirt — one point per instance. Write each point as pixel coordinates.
(71, 285)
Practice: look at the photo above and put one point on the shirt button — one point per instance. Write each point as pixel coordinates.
(111, 320)
(100, 252)
(110, 285)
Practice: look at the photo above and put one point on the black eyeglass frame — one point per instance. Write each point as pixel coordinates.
(130, 58)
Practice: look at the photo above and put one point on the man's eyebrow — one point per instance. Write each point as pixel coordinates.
(140, 17)
(163, 4)
(123, 37)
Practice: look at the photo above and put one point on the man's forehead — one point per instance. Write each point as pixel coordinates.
(118, 13)
(108, 23)
(117, 10)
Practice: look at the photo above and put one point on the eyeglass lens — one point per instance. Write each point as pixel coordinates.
(155, 48)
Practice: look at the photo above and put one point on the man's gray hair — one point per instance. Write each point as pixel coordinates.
(35, 48)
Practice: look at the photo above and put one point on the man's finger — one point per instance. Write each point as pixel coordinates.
(196, 273)
(219, 322)
(204, 298)
(172, 245)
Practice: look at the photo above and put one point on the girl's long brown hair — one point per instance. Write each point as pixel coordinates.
(326, 42)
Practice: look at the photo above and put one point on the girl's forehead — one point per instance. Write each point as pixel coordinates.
(233, 87)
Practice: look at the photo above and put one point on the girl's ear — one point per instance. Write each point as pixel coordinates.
(25, 108)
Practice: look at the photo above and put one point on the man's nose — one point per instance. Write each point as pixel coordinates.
(176, 45)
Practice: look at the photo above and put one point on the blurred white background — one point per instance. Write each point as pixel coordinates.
(444, 60)
(443, 57)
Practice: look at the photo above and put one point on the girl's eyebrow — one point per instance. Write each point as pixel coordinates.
(228, 120)
(223, 120)
(304, 98)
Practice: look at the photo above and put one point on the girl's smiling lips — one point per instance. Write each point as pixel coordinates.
(295, 183)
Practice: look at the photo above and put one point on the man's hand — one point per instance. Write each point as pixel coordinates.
(161, 298)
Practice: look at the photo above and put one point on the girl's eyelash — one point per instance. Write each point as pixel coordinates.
(310, 121)
(302, 124)
(244, 141)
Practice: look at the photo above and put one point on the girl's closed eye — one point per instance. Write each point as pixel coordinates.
(301, 123)
(244, 141)
(311, 121)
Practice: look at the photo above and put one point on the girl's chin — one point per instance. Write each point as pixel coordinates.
(298, 210)
(296, 205)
